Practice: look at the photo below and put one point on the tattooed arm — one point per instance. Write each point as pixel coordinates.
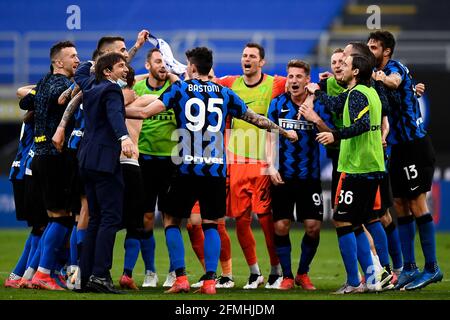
(263, 123)
(142, 37)
(65, 96)
(59, 136)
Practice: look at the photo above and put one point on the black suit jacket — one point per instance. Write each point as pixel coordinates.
(104, 113)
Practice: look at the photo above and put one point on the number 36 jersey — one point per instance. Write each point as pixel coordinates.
(201, 109)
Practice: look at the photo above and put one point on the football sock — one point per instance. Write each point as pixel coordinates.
(174, 242)
(225, 250)
(54, 240)
(73, 247)
(81, 234)
(364, 255)
(380, 240)
(211, 246)
(427, 232)
(254, 268)
(407, 232)
(395, 249)
(197, 238)
(132, 247)
(348, 248)
(309, 248)
(148, 246)
(266, 222)
(22, 262)
(34, 247)
(283, 249)
(246, 238)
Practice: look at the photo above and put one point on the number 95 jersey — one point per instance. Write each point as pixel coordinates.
(201, 109)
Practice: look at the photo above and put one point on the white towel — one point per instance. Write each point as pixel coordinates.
(172, 65)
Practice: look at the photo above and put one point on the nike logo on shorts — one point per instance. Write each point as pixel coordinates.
(412, 189)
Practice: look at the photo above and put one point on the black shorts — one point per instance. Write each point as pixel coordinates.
(305, 195)
(76, 183)
(133, 199)
(355, 199)
(157, 174)
(34, 203)
(385, 195)
(412, 168)
(52, 174)
(186, 190)
(19, 199)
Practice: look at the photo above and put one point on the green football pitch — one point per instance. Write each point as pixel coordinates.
(327, 272)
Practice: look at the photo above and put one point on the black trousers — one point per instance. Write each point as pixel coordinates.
(104, 193)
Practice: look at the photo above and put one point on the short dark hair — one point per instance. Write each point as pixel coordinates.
(105, 41)
(262, 52)
(365, 66)
(362, 49)
(106, 61)
(95, 55)
(150, 52)
(337, 50)
(385, 37)
(57, 47)
(296, 63)
(202, 58)
(130, 76)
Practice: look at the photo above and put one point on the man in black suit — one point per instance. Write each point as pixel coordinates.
(105, 136)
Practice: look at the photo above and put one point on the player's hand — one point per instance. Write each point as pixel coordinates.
(325, 138)
(128, 96)
(312, 87)
(291, 135)
(420, 89)
(325, 75)
(58, 138)
(379, 76)
(141, 38)
(276, 179)
(308, 113)
(128, 148)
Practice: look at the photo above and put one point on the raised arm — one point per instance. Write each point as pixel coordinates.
(141, 38)
(83, 75)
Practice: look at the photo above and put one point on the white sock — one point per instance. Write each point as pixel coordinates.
(254, 268)
(43, 270)
(376, 265)
(29, 273)
(276, 270)
(14, 276)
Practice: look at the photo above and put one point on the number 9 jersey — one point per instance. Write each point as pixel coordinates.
(201, 109)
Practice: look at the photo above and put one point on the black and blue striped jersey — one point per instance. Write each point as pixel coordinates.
(405, 119)
(26, 140)
(78, 129)
(29, 159)
(299, 159)
(48, 113)
(201, 109)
